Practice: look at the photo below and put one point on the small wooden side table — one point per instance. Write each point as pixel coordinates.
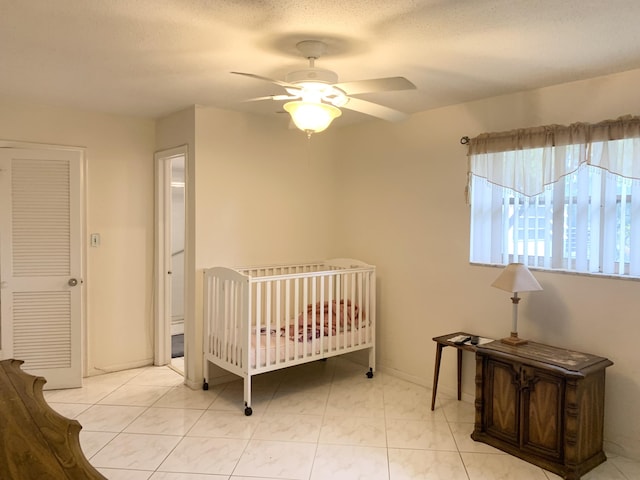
(441, 342)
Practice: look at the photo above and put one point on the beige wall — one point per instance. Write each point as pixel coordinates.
(391, 195)
(403, 196)
(119, 152)
(264, 194)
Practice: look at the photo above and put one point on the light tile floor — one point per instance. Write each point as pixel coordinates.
(323, 420)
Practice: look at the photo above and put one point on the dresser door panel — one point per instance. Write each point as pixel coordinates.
(542, 419)
(503, 409)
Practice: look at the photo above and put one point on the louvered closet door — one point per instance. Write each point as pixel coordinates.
(40, 263)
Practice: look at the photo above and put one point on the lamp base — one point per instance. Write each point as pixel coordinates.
(513, 340)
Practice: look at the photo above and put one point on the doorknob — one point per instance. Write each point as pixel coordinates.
(73, 282)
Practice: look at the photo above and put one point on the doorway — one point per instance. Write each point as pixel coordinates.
(170, 255)
(177, 261)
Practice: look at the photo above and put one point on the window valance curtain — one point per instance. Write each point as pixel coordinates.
(526, 160)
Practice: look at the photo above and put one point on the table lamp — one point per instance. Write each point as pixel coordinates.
(515, 278)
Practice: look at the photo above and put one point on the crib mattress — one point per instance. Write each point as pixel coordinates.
(272, 348)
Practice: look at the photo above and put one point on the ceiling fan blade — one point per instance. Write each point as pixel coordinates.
(273, 97)
(375, 85)
(267, 79)
(375, 110)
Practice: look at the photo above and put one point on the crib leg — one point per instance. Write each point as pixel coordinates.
(205, 380)
(372, 362)
(247, 396)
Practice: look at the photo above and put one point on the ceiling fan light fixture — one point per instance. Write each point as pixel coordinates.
(312, 117)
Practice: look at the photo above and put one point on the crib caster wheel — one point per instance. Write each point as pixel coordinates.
(205, 385)
(370, 373)
(248, 411)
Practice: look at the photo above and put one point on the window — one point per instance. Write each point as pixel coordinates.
(558, 197)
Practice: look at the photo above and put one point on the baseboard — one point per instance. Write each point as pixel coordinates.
(197, 385)
(403, 375)
(449, 392)
(119, 367)
(220, 379)
(177, 328)
(615, 449)
(192, 385)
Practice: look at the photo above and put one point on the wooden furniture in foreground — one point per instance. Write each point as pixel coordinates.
(441, 342)
(542, 404)
(36, 443)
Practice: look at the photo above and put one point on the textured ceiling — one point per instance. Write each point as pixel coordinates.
(153, 57)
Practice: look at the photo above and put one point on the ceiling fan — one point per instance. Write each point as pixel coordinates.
(315, 97)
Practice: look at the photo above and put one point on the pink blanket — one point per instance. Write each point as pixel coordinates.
(340, 320)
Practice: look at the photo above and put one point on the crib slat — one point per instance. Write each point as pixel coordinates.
(267, 356)
(352, 310)
(360, 324)
(229, 319)
(225, 322)
(338, 299)
(314, 316)
(216, 313)
(323, 319)
(278, 326)
(296, 299)
(237, 315)
(209, 313)
(232, 303)
(287, 316)
(258, 315)
(332, 317)
(305, 302)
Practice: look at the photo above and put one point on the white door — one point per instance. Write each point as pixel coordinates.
(41, 252)
(169, 247)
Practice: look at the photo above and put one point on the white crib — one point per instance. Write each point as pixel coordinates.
(260, 319)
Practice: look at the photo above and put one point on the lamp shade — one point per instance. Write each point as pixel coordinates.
(516, 277)
(312, 117)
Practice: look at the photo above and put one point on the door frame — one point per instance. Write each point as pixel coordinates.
(82, 178)
(162, 299)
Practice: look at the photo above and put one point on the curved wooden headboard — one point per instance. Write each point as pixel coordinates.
(36, 442)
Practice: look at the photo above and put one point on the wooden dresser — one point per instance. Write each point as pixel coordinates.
(36, 443)
(542, 404)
